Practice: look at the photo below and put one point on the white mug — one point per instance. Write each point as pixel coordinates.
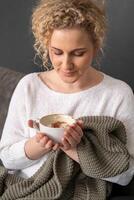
(45, 125)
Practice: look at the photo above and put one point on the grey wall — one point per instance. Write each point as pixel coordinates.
(119, 51)
(16, 42)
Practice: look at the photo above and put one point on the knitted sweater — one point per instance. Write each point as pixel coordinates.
(102, 153)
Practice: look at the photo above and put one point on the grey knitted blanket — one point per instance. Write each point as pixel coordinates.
(102, 153)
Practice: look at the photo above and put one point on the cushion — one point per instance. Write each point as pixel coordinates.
(8, 81)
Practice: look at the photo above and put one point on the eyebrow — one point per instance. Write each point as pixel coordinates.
(78, 49)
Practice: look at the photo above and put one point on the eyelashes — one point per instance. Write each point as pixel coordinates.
(79, 54)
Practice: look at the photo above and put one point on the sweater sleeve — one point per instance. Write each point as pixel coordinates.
(16, 131)
(126, 115)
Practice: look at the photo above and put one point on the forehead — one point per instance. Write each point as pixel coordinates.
(74, 37)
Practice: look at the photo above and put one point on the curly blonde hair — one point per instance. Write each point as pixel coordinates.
(58, 14)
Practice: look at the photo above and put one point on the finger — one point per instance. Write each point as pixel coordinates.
(75, 131)
(72, 136)
(71, 141)
(65, 144)
(49, 145)
(56, 146)
(30, 123)
(78, 129)
(44, 141)
(80, 123)
(39, 136)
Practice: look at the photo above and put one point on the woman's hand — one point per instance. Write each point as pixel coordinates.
(45, 142)
(72, 135)
(39, 145)
(72, 138)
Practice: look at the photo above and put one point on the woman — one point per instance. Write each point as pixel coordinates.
(68, 37)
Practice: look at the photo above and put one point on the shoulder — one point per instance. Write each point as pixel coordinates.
(28, 78)
(35, 77)
(117, 86)
(120, 97)
(25, 84)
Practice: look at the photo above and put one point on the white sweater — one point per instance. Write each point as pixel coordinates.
(32, 99)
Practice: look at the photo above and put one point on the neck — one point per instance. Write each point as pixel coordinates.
(91, 78)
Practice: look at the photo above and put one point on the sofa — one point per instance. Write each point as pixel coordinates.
(8, 81)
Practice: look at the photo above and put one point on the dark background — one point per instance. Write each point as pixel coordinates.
(16, 40)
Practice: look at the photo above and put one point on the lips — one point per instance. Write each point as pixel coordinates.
(68, 73)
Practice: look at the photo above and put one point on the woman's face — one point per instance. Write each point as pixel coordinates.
(71, 52)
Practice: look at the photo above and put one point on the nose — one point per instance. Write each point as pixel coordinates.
(67, 63)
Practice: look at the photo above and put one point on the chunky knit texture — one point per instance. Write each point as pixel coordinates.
(102, 153)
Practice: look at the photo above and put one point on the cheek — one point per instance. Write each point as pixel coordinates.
(86, 62)
(52, 57)
(55, 60)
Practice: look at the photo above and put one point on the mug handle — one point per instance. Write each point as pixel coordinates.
(36, 124)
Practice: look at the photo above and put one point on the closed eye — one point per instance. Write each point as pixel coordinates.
(73, 54)
(78, 53)
(57, 52)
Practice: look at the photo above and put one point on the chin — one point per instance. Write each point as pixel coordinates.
(69, 79)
